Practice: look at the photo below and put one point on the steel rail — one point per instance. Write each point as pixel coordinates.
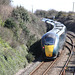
(61, 73)
(71, 53)
(48, 68)
(69, 43)
(37, 68)
(70, 39)
(51, 65)
(70, 33)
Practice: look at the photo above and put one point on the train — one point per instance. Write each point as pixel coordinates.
(53, 41)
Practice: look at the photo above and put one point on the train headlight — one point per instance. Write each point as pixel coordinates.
(43, 47)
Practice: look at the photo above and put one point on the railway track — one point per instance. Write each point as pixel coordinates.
(44, 67)
(57, 66)
(71, 36)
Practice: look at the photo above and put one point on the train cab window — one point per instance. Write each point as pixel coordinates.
(49, 40)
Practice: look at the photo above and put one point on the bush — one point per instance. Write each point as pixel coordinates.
(24, 28)
(11, 60)
(31, 41)
(30, 57)
(21, 13)
(41, 13)
(1, 22)
(10, 23)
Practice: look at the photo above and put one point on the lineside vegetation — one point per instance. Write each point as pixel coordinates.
(20, 34)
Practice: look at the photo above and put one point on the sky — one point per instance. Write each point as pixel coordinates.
(59, 5)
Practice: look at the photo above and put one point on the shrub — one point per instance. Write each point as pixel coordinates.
(11, 60)
(33, 18)
(1, 22)
(21, 13)
(24, 28)
(30, 57)
(41, 13)
(6, 34)
(31, 41)
(10, 23)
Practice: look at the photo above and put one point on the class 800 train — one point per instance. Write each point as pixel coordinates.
(53, 41)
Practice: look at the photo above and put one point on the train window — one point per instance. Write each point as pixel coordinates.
(49, 41)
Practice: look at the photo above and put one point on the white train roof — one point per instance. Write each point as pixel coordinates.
(58, 28)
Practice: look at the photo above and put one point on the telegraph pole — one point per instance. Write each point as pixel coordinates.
(73, 6)
(32, 8)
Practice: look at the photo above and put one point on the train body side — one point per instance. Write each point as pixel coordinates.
(53, 41)
(51, 50)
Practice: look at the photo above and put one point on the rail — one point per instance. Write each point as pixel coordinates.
(71, 53)
(47, 69)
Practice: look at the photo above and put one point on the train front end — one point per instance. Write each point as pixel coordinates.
(48, 46)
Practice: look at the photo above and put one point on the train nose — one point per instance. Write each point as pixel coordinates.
(49, 50)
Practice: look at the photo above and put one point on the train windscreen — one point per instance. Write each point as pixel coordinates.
(49, 41)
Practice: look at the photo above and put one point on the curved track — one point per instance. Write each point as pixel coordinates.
(57, 66)
(44, 67)
(71, 36)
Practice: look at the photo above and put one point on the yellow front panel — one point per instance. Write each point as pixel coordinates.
(49, 50)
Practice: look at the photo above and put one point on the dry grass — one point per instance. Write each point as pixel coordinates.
(5, 11)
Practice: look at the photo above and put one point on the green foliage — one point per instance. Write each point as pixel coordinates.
(30, 57)
(25, 29)
(46, 14)
(6, 34)
(31, 41)
(33, 18)
(59, 14)
(21, 30)
(41, 13)
(21, 13)
(1, 22)
(11, 60)
(10, 23)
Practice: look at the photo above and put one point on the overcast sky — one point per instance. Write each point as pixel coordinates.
(59, 5)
